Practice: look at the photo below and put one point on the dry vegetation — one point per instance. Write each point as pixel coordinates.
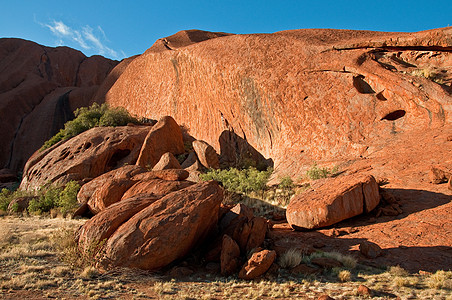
(37, 260)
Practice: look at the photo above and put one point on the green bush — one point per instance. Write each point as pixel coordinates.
(286, 183)
(65, 200)
(316, 173)
(89, 117)
(5, 199)
(241, 181)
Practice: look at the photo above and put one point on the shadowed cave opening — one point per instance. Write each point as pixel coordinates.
(392, 116)
(116, 157)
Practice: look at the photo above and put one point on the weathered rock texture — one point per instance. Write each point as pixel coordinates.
(167, 229)
(165, 136)
(40, 87)
(85, 156)
(295, 96)
(336, 200)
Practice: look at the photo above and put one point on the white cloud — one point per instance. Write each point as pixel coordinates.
(86, 38)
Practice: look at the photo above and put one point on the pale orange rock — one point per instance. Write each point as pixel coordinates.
(258, 264)
(165, 136)
(336, 200)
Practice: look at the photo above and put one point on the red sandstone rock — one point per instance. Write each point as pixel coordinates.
(258, 264)
(167, 161)
(258, 230)
(336, 200)
(304, 269)
(125, 172)
(100, 227)
(326, 262)
(230, 256)
(156, 186)
(331, 94)
(39, 88)
(87, 155)
(369, 249)
(165, 136)
(170, 175)
(167, 229)
(206, 155)
(439, 174)
(364, 291)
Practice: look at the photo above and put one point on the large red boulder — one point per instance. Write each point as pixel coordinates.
(167, 229)
(165, 136)
(40, 87)
(85, 156)
(100, 227)
(206, 154)
(336, 200)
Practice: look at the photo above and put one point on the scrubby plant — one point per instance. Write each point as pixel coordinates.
(89, 117)
(67, 200)
(316, 172)
(440, 280)
(6, 196)
(51, 197)
(286, 183)
(241, 181)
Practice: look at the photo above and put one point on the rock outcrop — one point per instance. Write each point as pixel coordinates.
(84, 157)
(167, 229)
(336, 200)
(40, 87)
(165, 136)
(296, 96)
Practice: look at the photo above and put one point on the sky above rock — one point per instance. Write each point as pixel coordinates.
(118, 29)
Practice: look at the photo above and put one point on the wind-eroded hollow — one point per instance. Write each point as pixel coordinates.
(392, 116)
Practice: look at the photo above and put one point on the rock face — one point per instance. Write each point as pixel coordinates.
(108, 188)
(85, 156)
(40, 87)
(336, 200)
(206, 155)
(167, 161)
(295, 96)
(167, 229)
(165, 136)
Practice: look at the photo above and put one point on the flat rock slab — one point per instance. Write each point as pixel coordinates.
(336, 200)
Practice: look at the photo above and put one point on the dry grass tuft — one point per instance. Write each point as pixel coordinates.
(440, 280)
(344, 276)
(290, 259)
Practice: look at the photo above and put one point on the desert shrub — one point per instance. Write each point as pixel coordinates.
(6, 196)
(69, 252)
(51, 197)
(286, 183)
(440, 280)
(67, 200)
(316, 172)
(5, 199)
(45, 202)
(241, 181)
(89, 117)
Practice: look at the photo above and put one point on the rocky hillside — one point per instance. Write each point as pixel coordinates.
(295, 96)
(40, 87)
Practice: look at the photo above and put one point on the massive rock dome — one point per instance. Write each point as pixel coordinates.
(40, 87)
(294, 96)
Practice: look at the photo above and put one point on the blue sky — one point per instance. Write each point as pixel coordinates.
(118, 29)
